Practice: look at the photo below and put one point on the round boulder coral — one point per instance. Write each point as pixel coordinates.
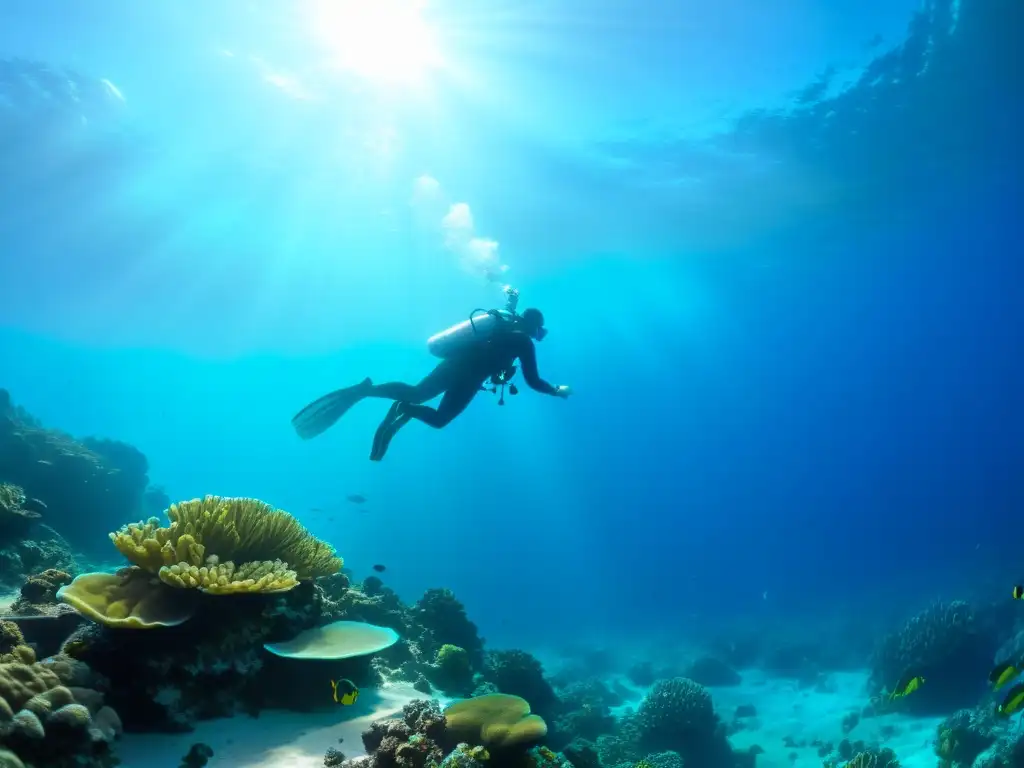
(677, 715)
(943, 644)
(964, 735)
(673, 713)
(72, 716)
(452, 671)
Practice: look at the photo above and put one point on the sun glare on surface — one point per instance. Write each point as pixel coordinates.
(386, 41)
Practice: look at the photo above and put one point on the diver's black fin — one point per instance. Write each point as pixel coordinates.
(321, 415)
(393, 421)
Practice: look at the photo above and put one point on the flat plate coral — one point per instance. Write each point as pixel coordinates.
(340, 640)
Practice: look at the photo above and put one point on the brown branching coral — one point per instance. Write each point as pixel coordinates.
(874, 758)
(11, 496)
(41, 589)
(227, 545)
(10, 637)
(15, 520)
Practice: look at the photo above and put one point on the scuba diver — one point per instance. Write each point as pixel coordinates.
(477, 351)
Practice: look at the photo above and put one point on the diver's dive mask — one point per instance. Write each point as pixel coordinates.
(540, 333)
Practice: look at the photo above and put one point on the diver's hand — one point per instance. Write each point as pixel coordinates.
(563, 391)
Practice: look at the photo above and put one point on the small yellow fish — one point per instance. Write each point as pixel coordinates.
(345, 692)
(1003, 673)
(905, 686)
(1018, 592)
(1013, 702)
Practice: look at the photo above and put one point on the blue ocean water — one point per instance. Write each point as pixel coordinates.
(776, 246)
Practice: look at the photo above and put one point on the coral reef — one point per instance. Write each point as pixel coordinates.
(218, 584)
(519, 673)
(215, 664)
(452, 670)
(494, 731)
(44, 621)
(675, 716)
(212, 666)
(39, 592)
(15, 520)
(198, 756)
(227, 546)
(411, 741)
(445, 621)
(10, 637)
(582, 754)
(496, 721)
(128, 599)
(584, 710)
(82, 484)
(22, 557)
(858, 755)
(1006, 752)
(377, 604)
(49, 714)
(26, 544)
(943, 644)
(965, 735)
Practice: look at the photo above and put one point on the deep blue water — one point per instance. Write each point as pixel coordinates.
(788, 301)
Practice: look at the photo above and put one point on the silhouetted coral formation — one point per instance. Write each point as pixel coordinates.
(944, 644)
(83, 484)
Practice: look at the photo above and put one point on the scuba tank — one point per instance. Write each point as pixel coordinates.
(481, 325)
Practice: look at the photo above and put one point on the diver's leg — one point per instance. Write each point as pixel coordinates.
(393, 421)
(433, 384)
(454, 402)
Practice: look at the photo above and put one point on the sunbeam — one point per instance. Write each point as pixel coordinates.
(385, 41)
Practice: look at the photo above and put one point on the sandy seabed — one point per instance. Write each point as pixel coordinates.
(292, 740)
(805, 715)
(275, 739)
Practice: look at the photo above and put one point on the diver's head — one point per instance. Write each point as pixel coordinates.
(534, 324)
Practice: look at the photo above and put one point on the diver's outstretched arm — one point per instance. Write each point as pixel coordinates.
(528, 363)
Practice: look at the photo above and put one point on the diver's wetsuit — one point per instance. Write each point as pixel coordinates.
(461, 377)
(458, 378)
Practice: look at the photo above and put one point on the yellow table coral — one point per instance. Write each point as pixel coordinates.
(227, 545)
(128, 599)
